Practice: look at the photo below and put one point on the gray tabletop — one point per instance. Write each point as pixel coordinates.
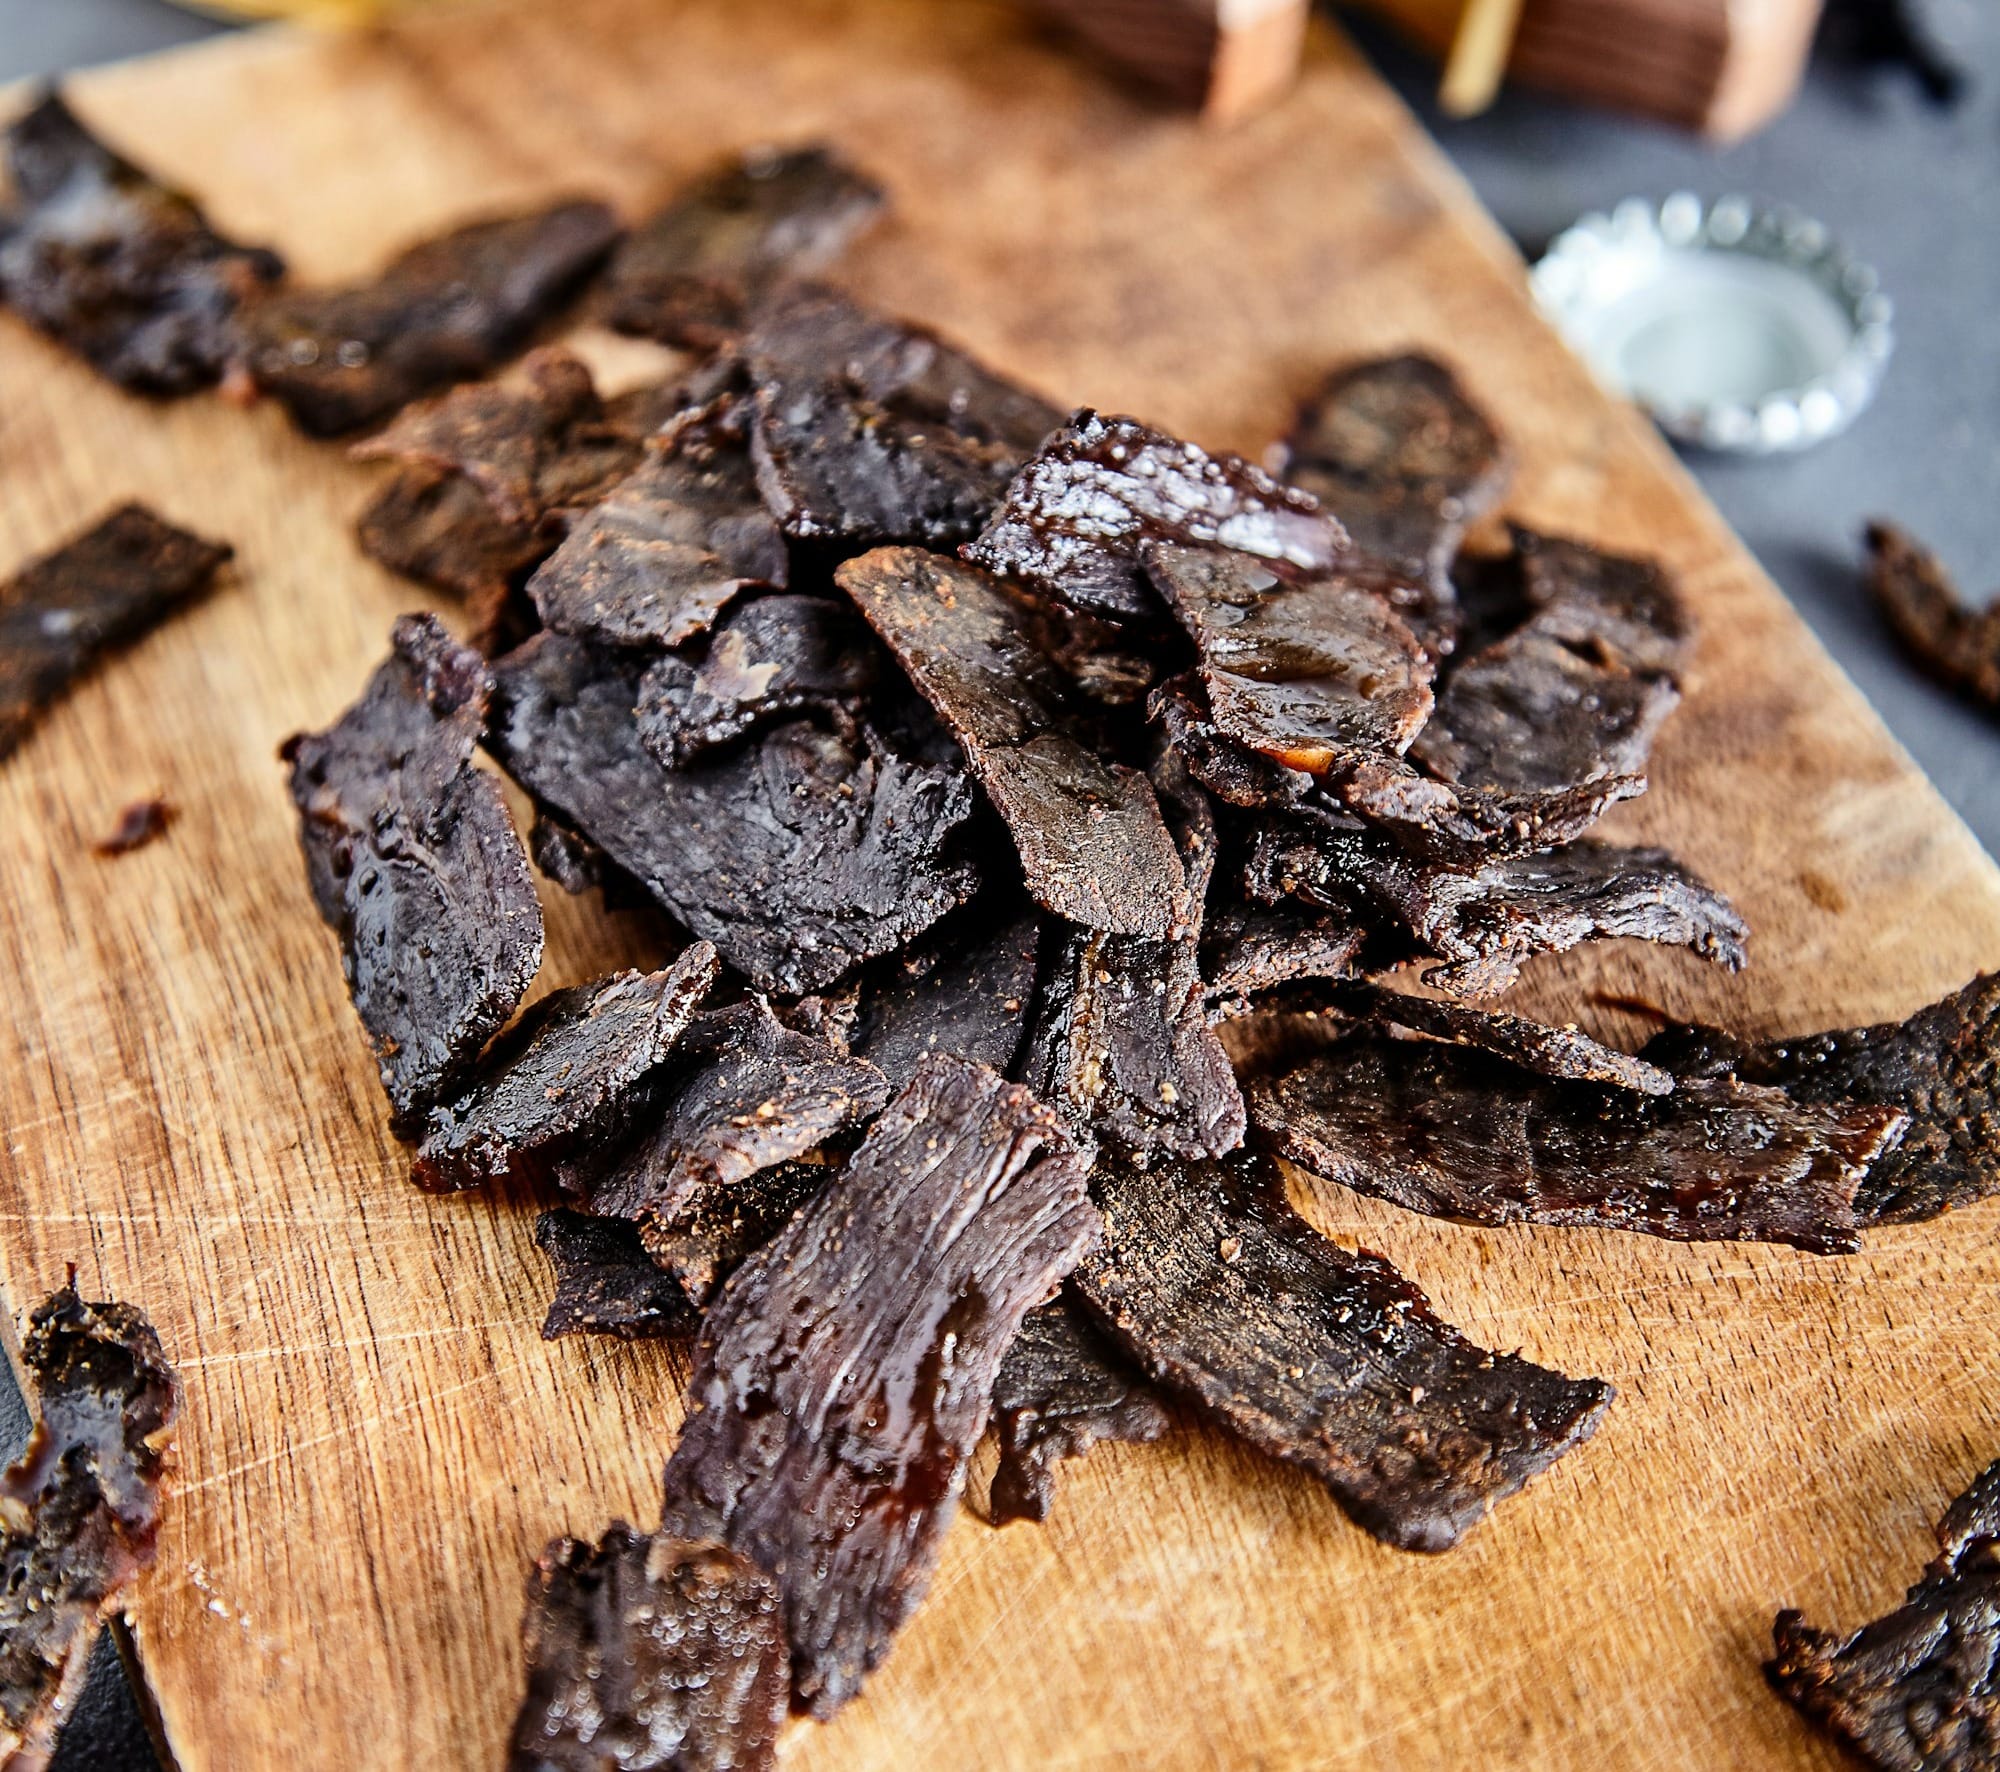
(1914, 190)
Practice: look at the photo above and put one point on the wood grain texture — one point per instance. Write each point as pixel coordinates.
(375, 1441)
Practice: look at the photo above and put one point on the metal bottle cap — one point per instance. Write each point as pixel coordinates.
(1737, 327)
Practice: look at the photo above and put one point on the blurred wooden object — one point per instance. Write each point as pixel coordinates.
(1222, 57)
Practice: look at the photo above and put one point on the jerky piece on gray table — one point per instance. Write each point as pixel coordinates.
(962, 1209)
(1956, 643)
(606, 1283)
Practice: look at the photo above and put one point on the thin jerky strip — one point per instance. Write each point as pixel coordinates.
(1089, 833)
(446, 310)
(1941, 1067)
(105, 589)
(1322, 1357)
(1462, 1134)
(124, 271)
(1250, 949)
(1919, 1690)
(649, 1654)
(567, 1077)
(799, 855)
(606, 1283)
(961, 1210)
(1957, 644)
(79, 1508)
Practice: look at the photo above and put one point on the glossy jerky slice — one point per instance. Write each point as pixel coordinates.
(1463, 1134)
(1225, 766)
(1955, 643)
(656, 559)
(966, 989)
(649, 1654)
(1941, 1067)
(414, 861)
(846, 1371)
(111, 585)
(124, 271)
(1089, 834)
(1919, 1690)
(446, 310)
(1303, 671)
(1062, 1389)
(1075, 517)
(685, 275)
(799, 854)
(1320, 1356)
(79, 1507)
(719, 1229)
(771, 657)
(606, 1283)
(569, 1075)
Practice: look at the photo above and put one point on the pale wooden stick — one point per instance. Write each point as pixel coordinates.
(1479, 52)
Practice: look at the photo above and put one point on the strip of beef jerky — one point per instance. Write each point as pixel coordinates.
(1464, 825)
(414, 862)
(1226, 768)
(654, 561)
(719, 1229)
(799, 854)
(962, 1209)
(441, 530)
(569, 1077)
(606, 1283)
(1957, 644)
(1089, 833)
(1076, 515)
(1919, 1690)
(1305, 671)
(124, 271)
(1249, 949)
(1325, 1358)
(1624, 609)
(649, 1654)
(1463, 1134)
(966, 988)
(1395, 449)
(140, 823)
(79, 1507)
(770, 657)
(110, 586)
(1062, 1389)
(446, 310)
(686, 275)
(1941, 1068)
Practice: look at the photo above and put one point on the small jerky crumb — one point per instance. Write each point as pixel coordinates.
(138, 824)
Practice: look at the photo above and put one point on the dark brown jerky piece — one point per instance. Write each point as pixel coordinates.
(606, 1283)
(1076, 515)
(1957, 644)
(1089, 833)
(654, 561)
(138, 824)
(719, 1229)
(414, 861)
(961, 1210)
(1919, 1690)
(79, 1508)
(1062, 1389)
(1622, 609)
(1247, 949)
(1305, 671)
(441, 530)
(1323, 1357)
(448, 309)
(108, 587)
(1463, 1134)
(965, 989)
(649, 1654)
(569, 1077)
(122, 270)
(1941, 1068)
(686, 274)
(770, 657)
(799, 855)
(1464, 825)
(1227, 769)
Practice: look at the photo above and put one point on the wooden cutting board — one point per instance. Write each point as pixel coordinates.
(376, 1441)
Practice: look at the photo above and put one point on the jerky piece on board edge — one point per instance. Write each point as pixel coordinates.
(799, 854)
(962, 1209)
(606, 1283)
(1322, 1357)
(125, 272)
(1062, 1389)
(445, 310)
(103, 589)
(1958, 644)
(414, 861)
(1089, 833)
(1076, 515)
(649, 1653)
(1941, 1067)
(80, 1507)
(568, 1075)
(685, 275)
(1919, 1690)
(1463, 1134)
